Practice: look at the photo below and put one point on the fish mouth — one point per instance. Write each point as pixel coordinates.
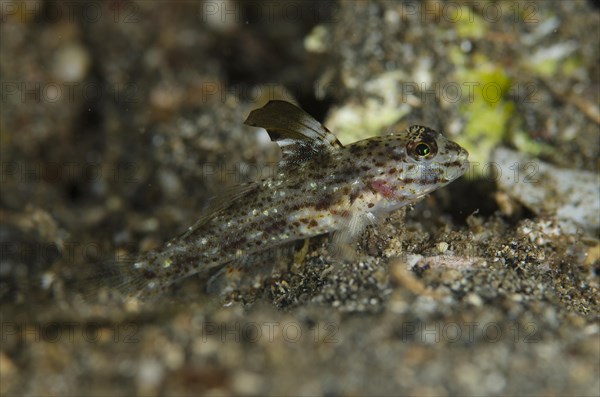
(463, 155)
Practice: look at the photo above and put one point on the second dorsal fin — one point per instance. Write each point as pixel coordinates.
(297, 133)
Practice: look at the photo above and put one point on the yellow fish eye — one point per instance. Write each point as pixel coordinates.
(422, 149)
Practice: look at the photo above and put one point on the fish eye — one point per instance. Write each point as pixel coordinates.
(422, 149)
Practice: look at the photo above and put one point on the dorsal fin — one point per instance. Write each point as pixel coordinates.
(297, 133)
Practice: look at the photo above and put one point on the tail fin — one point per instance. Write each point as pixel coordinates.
(113, 279)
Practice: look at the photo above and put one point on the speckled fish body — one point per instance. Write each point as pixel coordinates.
(320, 187)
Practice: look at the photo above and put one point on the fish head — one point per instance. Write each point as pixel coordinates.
(415, 162)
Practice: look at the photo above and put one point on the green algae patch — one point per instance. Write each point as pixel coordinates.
(469, 25)
(487, 111)
(571, 66)
(548, 61)
(485, 130)
(491, 117)
(526, 144)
